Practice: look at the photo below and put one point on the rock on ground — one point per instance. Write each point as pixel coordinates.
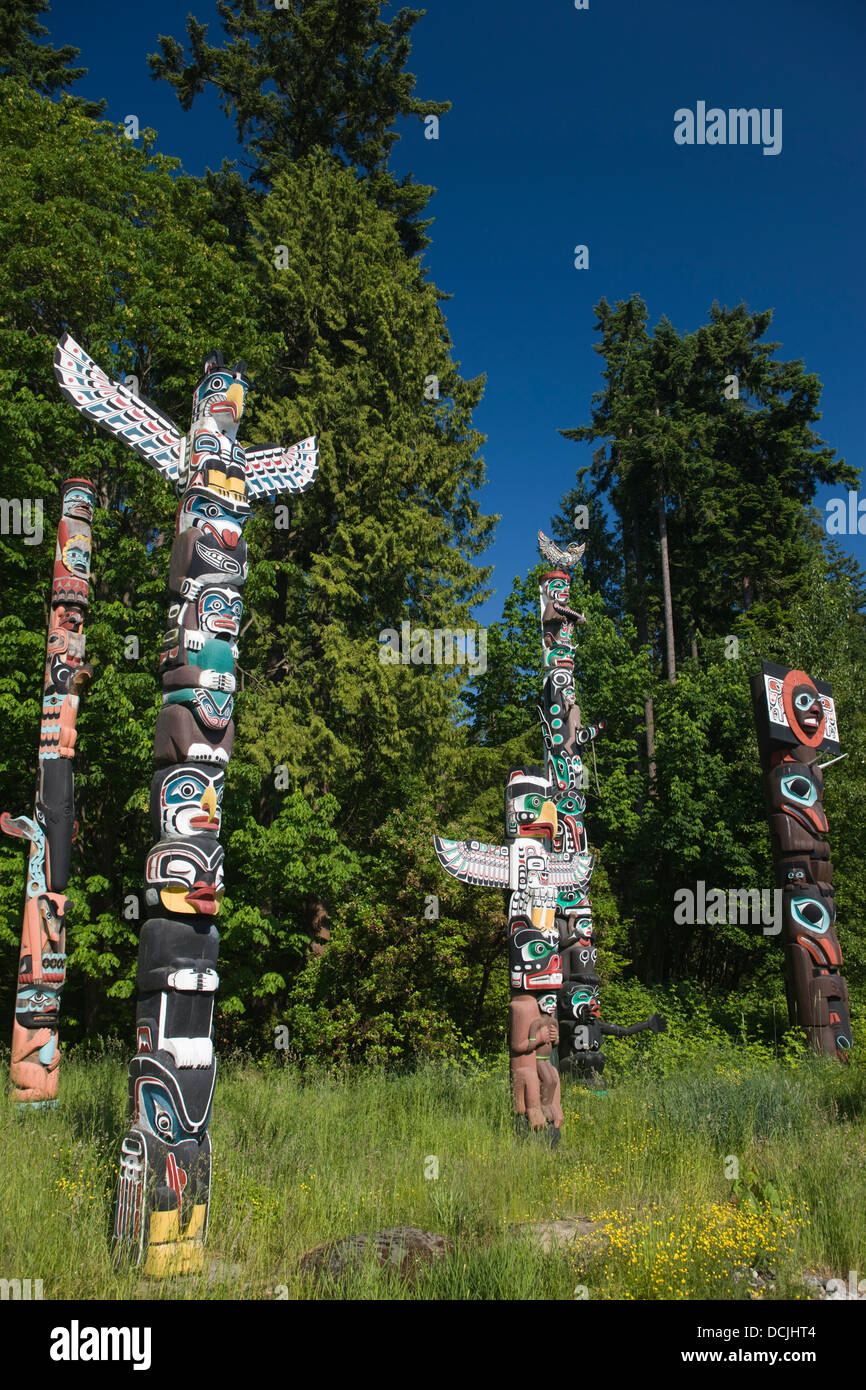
(401, 1249)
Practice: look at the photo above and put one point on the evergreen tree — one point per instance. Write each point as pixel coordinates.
(332, 742)
(100, 238)
(310, 75)
(40, 66)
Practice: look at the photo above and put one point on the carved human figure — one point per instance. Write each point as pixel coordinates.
(161, 1217)
(51, 829)
(545, 866)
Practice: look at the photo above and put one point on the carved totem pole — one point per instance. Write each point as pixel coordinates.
(164, 1189)
(42, 963)
(796, 720)
(546, 867)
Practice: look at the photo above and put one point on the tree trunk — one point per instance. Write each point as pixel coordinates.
(319, 928)
(666, 587)
(643, 638)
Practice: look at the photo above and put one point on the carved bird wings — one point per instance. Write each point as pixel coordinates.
(270, 468)
(117, 409)
(565, 559)
(488, 866)
(472, 862)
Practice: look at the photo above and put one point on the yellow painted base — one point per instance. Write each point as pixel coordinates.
(171, 1250)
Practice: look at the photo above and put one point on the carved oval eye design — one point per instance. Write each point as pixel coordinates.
(186, 790)
(800, 789)
(162, 1119)
(811, 914)
(179, 869)
(804, 702)
(39, 999)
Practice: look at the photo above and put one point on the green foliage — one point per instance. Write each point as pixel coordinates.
(43, 67)
(112, 242)
(98, 237)
(430, 986)
(318, 75)
(345, 765)
(305, 1157)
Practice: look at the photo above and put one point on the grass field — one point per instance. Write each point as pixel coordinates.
(300, 1160)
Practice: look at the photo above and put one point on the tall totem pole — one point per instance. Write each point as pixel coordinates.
(42, 963)
(164, 1189)
(796, 720)
(545, 866)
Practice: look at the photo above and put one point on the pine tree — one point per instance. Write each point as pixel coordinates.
(40, 66)
(310, 75)
(99, 237)
(354, 337)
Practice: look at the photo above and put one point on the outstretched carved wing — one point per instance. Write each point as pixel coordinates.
(117, 409)
(570, 870)
(565, 559)
(473, 862)
(271, 468)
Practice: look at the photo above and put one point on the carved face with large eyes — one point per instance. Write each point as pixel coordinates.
(557, 619)
(808, 710)
(534, 960)
(580, 1002)
(221, 392)
(186, 800)
(186, 875)
(78, 502)
(220, 611)
(75, 554)
(38, 1006)
(803, 708)
(529, 812)
(218, 518)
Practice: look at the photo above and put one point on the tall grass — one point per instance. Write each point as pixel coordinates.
(305, 1158)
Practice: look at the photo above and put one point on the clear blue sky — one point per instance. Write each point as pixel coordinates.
(562, 132)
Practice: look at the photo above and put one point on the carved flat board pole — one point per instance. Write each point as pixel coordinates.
(795, 717)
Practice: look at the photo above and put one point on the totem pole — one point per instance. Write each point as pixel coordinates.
(796, 720)
(164, 1189)
(545, 865)
(42, 963)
